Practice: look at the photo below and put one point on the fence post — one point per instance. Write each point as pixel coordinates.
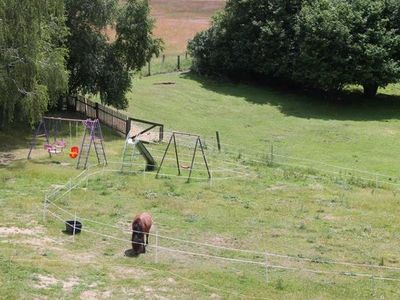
(85, 106)
(163, 58)
(161, 136)
(179, 62)
(96, 106)
(127, 127)
(156, 258)
(218, 141)
(186, 55)
(272, 154)
(149, 68)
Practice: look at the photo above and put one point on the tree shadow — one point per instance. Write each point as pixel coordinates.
(20, 136)
(351, 106)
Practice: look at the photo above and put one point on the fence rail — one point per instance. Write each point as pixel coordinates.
(115, 120)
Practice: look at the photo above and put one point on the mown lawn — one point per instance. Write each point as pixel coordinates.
(359, 134)
(279, 209)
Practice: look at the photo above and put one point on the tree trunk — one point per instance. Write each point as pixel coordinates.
(370, 90)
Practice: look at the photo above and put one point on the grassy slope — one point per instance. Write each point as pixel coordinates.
(281, 210)
(359, 135)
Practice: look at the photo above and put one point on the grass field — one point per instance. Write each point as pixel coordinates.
(293, 207)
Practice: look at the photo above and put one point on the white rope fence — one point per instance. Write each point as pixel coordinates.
(61, 192)
(191, 253)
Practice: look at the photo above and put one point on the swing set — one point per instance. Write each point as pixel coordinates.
(198, 146)
(50, 128)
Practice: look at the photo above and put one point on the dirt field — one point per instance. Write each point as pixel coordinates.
(177, 21)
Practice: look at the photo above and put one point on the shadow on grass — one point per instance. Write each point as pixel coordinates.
(20, 136)
(14, 138)
(350, 106)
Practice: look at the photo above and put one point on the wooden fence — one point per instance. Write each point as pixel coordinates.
(115, 120)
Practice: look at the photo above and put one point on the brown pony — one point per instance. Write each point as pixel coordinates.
(140, 226)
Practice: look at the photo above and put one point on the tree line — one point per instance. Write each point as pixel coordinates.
(320, 44)
(52, 48)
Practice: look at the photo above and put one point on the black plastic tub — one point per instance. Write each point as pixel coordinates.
(69, 227)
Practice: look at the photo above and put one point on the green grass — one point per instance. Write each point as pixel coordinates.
(358, 134)
(290, 210)
(166, 64)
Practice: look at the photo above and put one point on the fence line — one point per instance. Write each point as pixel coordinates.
(164, 64)
(352, 274)
(115, 120)
(227, 248)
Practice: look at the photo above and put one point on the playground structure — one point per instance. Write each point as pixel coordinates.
(92, 136)
(131, 146)
(198, 145)
(136, 145)
(50, 128)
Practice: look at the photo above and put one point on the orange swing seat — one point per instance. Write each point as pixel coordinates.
(73, 153)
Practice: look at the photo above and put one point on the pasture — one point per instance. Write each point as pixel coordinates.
(318, 210)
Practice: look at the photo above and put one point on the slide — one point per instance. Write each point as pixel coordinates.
(151, 163)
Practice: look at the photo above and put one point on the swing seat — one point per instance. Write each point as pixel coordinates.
(73, 153)
(60, 144)
(186, 167)
(53, 150)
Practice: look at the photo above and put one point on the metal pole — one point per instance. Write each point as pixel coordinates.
(194, 155)
(165, 154)
(218, 141)
(204, 157)
(176, 155)
(70, 132)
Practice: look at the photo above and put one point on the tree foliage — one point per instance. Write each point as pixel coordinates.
(32, 64)
(99, 65)
(316, 43)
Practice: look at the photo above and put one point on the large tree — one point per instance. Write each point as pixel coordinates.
(100, 64)
(32, 65)
(348, 42)
(315, 43)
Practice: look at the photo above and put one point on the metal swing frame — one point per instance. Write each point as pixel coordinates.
(199, 144)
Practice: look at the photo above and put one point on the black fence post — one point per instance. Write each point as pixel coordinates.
(127, 127)
(149, 68)
(85, 102)
(96, 106)
(163, 58)
(161, 136)
(218, 141)
(179, 62)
